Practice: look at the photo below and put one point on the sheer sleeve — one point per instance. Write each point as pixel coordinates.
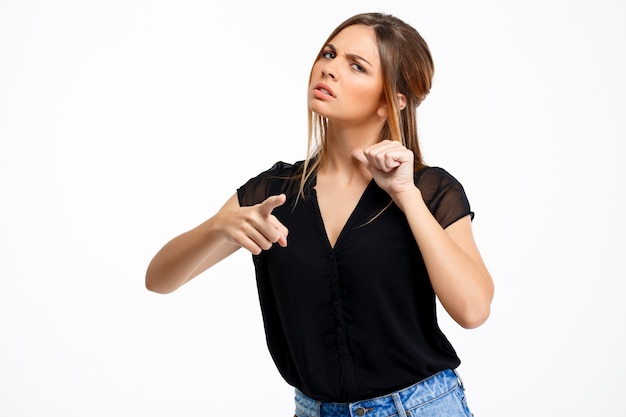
(278, 179)
(444, 195)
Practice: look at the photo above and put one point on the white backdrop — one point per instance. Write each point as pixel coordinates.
(124, 123)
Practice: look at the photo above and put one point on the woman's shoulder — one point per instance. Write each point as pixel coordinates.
(443, 193)
(279, 178)
(279, 170)
(282, 169)
(434, 177)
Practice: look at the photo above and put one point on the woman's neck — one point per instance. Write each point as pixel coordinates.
(340, 143)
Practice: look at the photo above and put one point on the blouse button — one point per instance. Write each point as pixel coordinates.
(360, 411)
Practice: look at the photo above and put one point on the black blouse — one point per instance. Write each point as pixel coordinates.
(357, 320)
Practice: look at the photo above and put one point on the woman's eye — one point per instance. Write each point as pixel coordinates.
(358, 67)
(328, 55)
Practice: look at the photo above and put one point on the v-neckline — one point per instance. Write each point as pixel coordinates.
(347, 225)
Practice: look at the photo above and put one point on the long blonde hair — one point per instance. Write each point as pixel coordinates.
(407, 68)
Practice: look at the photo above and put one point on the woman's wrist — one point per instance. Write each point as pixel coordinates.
(409, 198)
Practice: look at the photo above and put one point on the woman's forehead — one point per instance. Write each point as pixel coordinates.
(356, 40)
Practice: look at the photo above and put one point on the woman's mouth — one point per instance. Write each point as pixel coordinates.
(322, 90)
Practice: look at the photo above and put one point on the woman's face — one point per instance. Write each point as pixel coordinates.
(346, 80)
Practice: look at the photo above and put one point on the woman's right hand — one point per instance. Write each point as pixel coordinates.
(186, 256)
(254, 228)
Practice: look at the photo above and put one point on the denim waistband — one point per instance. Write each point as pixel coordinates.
(397, 402)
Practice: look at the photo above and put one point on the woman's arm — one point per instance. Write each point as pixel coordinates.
(456, 269)
(457, 272)
(191, 253)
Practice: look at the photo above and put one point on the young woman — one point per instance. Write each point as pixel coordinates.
(352, 245)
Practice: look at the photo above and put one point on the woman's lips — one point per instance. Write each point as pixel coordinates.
(322, 91)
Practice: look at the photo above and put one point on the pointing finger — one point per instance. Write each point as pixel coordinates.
(270, 203)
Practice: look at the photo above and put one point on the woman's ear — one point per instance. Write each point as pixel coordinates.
(401, 101)
(401, 104)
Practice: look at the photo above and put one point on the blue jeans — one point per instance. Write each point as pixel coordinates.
(440, 395)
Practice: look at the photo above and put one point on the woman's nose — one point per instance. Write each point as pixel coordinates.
(328, 71)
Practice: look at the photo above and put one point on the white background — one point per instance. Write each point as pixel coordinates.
(124, 123)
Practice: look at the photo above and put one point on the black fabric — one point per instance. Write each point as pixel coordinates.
(357, 320)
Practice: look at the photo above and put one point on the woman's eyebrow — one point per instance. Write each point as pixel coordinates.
(351, 56)
(358, 58)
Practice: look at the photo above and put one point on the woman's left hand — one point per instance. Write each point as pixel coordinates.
(391, 166)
